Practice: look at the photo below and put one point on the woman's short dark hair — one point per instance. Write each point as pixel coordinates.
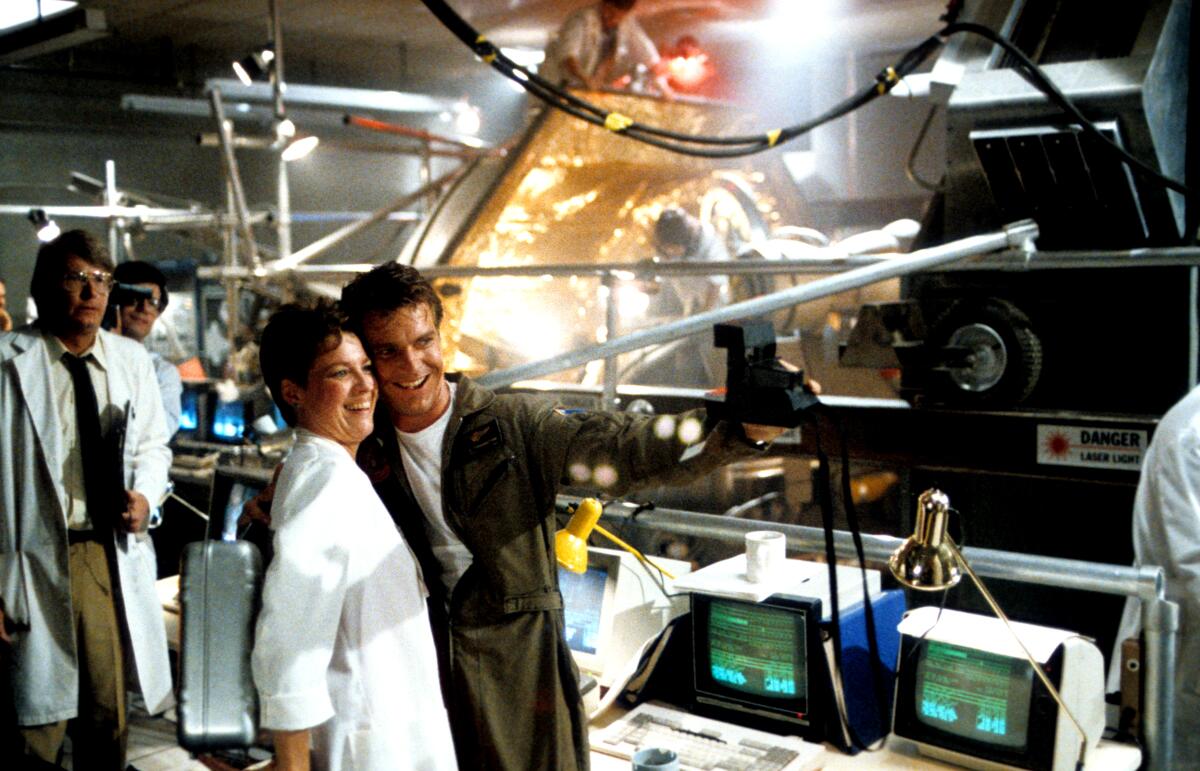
(46, 285)
(294, 337)
(386, 288)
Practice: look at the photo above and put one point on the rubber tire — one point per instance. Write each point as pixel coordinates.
(1022, 346)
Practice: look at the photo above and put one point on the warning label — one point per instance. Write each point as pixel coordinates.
(1090, 446)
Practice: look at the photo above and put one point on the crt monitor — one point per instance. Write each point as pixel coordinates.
(760, 664)
(589, 606)
(614, 608)
(965, 692)
(193, 413)
(228, 423)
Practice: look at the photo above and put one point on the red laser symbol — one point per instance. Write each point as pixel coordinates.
(1057, 445)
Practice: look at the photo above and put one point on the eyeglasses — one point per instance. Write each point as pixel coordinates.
(99, 280)
(148, 303)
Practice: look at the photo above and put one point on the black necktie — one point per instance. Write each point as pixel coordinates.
(97, 488)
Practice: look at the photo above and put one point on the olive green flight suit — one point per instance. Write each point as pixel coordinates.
(511, 686)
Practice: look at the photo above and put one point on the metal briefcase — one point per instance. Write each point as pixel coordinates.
(220, 587)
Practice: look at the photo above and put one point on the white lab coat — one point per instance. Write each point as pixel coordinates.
(343, 645)
(1166, 532)
(34, 580)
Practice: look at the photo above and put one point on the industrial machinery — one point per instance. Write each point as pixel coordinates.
(1115, 294)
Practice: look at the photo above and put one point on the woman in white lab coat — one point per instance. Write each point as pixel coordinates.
(344, 659)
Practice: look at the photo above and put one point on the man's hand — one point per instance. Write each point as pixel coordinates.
(4, 626)
(137, 512)
(258, 508)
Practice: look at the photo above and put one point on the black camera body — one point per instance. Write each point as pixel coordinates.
(758, 388)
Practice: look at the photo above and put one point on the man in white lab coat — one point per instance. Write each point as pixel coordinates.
(76, 576)
(1166, 532)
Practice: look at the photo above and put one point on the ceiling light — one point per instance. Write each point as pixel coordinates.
(47, 229)
(254, 66)
(299, 148)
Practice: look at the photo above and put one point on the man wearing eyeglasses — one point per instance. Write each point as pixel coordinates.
(83, 453)
(136, 315)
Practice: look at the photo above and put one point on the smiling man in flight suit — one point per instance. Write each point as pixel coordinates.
(471, 478)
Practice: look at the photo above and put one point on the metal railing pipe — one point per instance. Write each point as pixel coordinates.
(1146, 583)
(1013, 236)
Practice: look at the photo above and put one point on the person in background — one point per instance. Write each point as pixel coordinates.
(1166, 532)
(343, 659)
(471, 477)
(603, 46)
(678, 236)
(83, 457)
(137, 318)
(6, 322)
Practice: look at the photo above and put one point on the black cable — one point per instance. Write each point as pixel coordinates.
(739, 146)
(693, 145)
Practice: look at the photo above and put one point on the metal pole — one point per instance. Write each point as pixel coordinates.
(225, 132)
(341, 234)
(283, 221)
(1018, 235)
(1143, 582)
(231, 284)
(112, 198)
(608, 397)
(1160, 625)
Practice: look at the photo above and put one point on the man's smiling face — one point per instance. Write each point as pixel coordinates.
(407, 353)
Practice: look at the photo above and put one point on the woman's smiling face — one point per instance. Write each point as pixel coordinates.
(338, 402)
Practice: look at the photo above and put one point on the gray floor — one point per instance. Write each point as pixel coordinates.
(152, 746)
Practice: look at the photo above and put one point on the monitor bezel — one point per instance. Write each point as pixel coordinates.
(779, 715)
(1041, 731)
(593, 663)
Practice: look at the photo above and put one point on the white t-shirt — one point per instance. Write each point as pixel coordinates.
(421, 452)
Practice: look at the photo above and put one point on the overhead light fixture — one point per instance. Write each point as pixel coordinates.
(254, 66)
(47, 229)
(52, 33)
(300, 147)
(929, 561)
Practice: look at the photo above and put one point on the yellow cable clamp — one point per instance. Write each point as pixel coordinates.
(490, 57)
(615, 121)
(887, 80)
(773, 137)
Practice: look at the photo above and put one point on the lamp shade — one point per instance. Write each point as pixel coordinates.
(570, 543)
(927, 560)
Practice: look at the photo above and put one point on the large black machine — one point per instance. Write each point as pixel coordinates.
(1040, 338)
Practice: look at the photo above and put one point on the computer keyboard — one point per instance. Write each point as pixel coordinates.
(703, 744)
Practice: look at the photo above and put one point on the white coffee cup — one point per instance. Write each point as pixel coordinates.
(766, 551)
